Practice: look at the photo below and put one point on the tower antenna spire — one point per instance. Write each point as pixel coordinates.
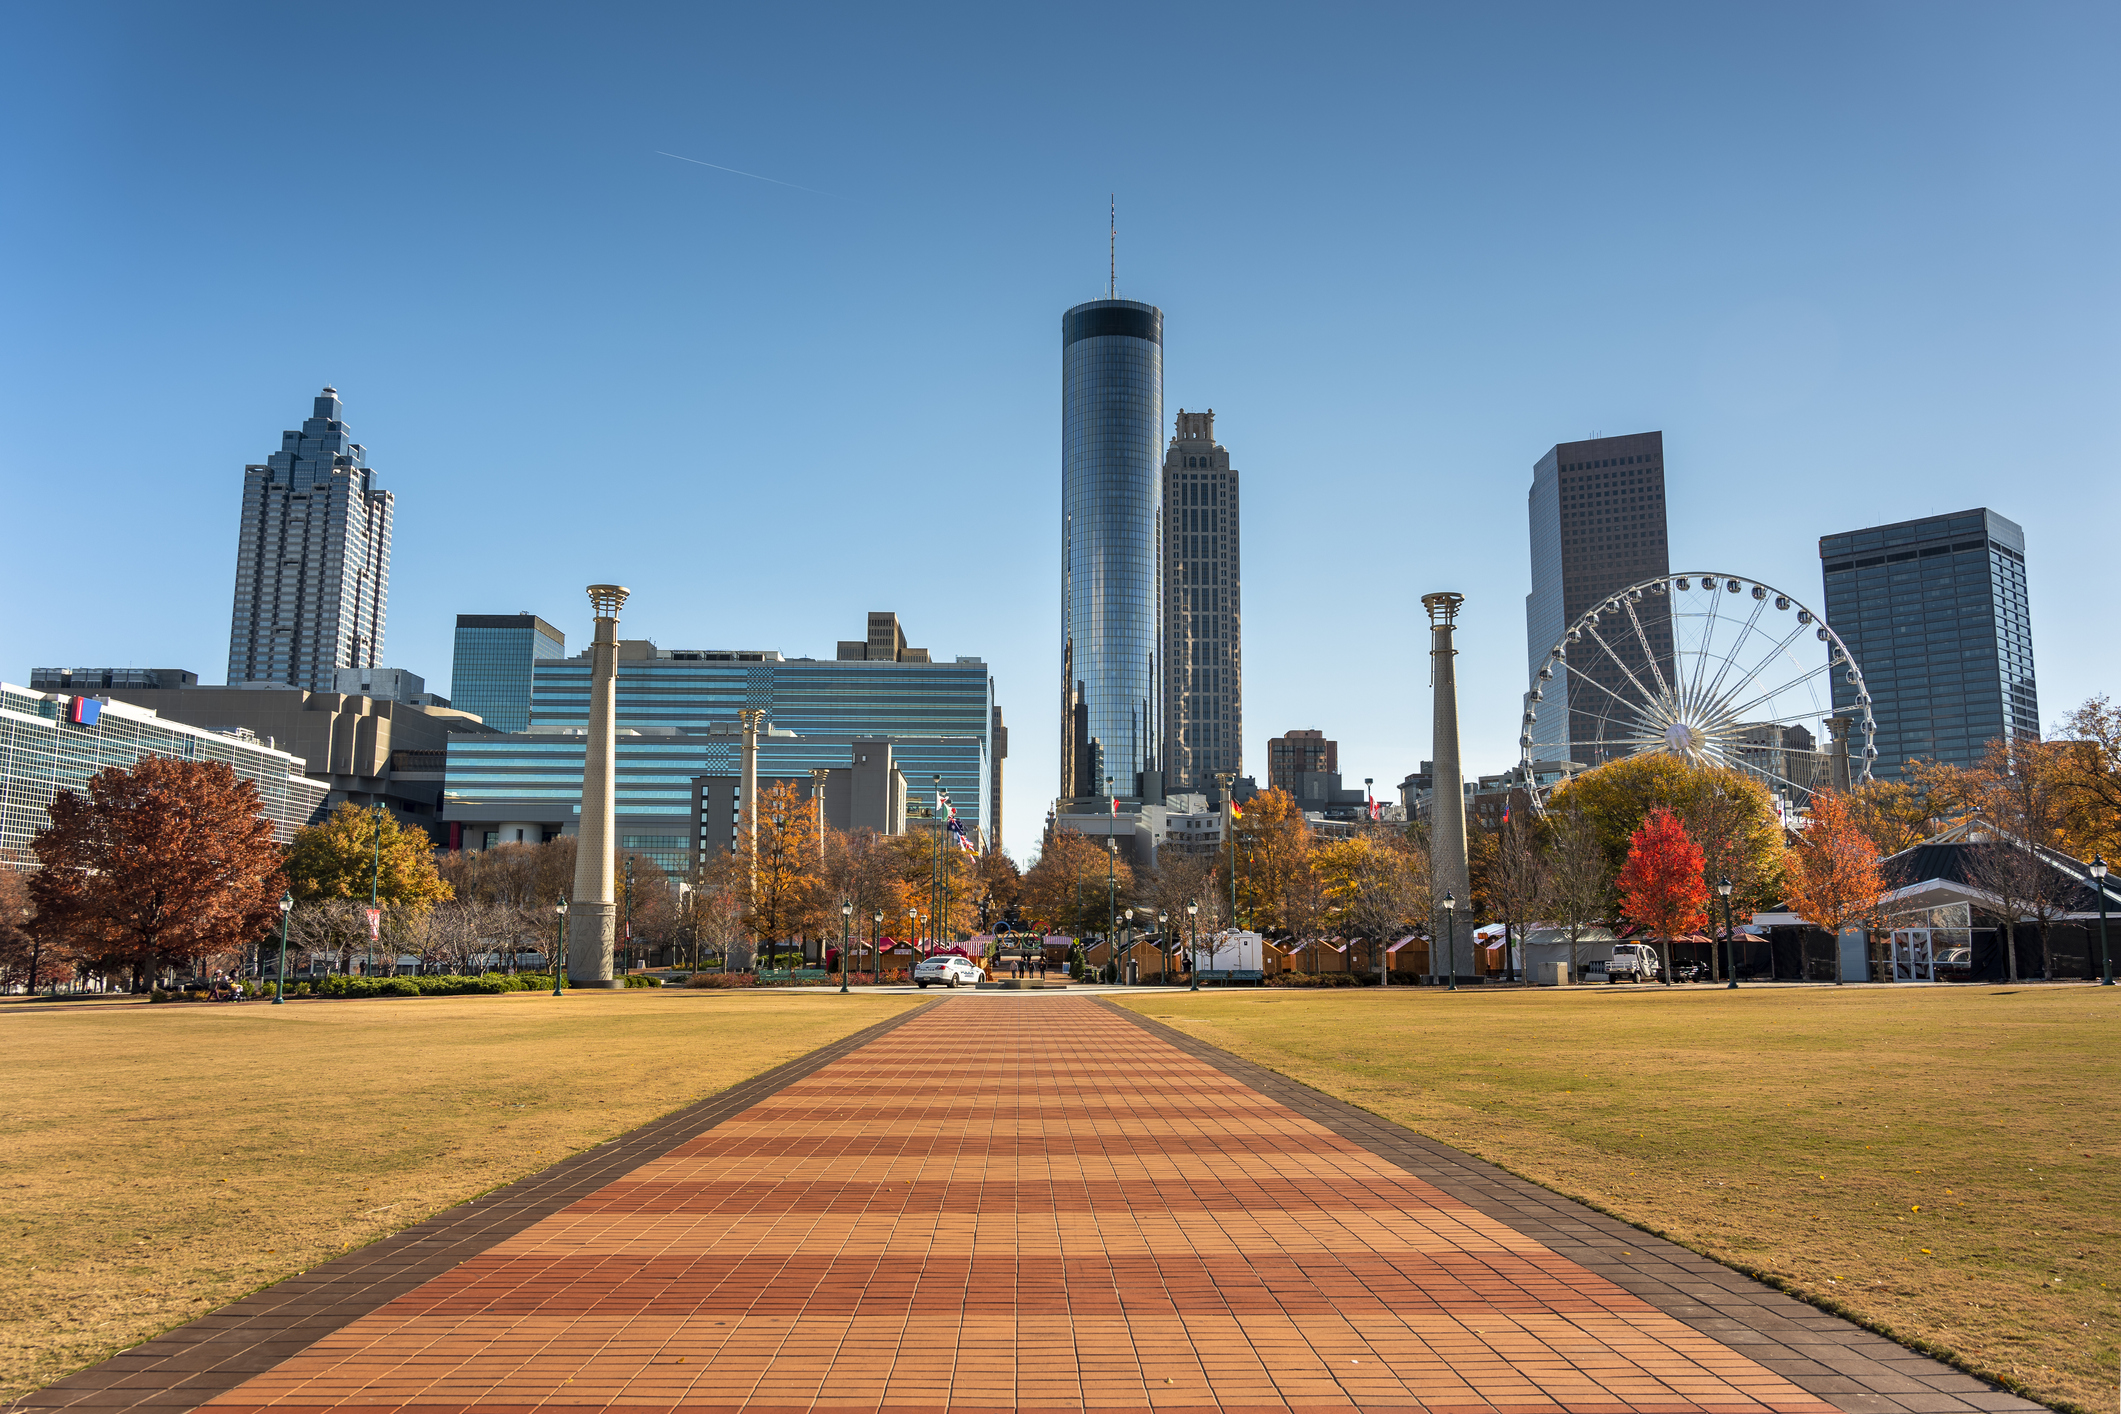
(1112, 279)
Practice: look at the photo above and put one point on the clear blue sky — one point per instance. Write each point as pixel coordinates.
(1858, 262)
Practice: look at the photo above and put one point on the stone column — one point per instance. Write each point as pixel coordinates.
(592, 919)
(1448, 872)
(748, 779)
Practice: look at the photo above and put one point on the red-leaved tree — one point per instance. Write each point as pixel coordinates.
(157, 865)
(1661, 885)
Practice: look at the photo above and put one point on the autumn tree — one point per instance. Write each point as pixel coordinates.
(784, 892)
(1001, 884)
(1515, 882)
(1894, 815)
(28, 954)
(862, 868)
(1065, 889)
(2017, 788)
(1579, 881)
(935, 874)
(1273, 847)
(1376, 885)
(1661, 884)
(1617, 797)
(1833, 881)
(157, 865)
(340, 858)
(2087, 779)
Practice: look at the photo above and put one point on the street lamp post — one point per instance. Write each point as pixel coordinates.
(876, 931)
(287, 909)
(559, 963)
(846, 919)
(1163, 941)
(2106, 961)
(1127, 944)
(1730, 936)
(1450, 913)
(629, 914)
(1111, 899)
(1193, 962)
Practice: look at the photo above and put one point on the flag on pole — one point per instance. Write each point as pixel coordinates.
(1235, 813)
(958, 836)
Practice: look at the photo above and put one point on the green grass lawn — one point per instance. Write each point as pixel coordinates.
(1940, 1162)
(158, 1162)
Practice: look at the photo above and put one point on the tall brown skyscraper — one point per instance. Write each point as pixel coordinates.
(1597, 522)
(1203, 652)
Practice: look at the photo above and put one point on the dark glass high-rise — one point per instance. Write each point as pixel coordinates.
(1112, 411)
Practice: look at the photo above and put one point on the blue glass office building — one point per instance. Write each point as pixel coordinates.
(677, 719)
(1935, 611)
(490, 674)
(1112, 417)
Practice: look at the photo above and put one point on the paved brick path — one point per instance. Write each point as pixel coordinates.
(1005, 1203)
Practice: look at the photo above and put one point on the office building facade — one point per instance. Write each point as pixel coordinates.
(1935, 612)
(312, 559)
(1597, 517)
(53, 741)
(1203, 610)
(491, 668)
(677, 722)
(1293, 753)
(1112, 417)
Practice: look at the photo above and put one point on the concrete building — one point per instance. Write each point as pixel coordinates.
(358, 748)
(1295, 752)
(1203, 686)
(1112, 418)
(495, 657)
(312, 559)
(1936, 614)
(388, 685)
(54, 741)
(678, 721)
(1597, 518)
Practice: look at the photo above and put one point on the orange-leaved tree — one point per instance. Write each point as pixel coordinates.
(1834, 882)
(1661, 884)
(784, 893)
(160, 864)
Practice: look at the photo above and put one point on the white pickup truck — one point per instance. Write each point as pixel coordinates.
(1633, 962)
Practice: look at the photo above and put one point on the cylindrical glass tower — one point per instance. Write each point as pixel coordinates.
(1112, 423)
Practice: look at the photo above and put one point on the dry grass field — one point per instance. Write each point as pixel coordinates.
(158, 1162)
(1943, 1163)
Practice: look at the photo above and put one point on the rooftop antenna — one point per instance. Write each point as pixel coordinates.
(1112, 279)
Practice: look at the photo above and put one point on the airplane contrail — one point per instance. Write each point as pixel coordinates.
(753, 175)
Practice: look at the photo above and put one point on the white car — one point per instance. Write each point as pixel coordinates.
(951, 971)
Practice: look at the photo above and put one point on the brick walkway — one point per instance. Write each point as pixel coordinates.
(1006, 1203)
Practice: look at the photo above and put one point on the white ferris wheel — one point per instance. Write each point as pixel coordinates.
(1715, 668)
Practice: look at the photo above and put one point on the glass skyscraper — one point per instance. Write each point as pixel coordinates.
(490, 672)
(1935, 612)
(312, 560)
(1112, 417)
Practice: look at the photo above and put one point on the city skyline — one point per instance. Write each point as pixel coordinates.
(567, 398)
